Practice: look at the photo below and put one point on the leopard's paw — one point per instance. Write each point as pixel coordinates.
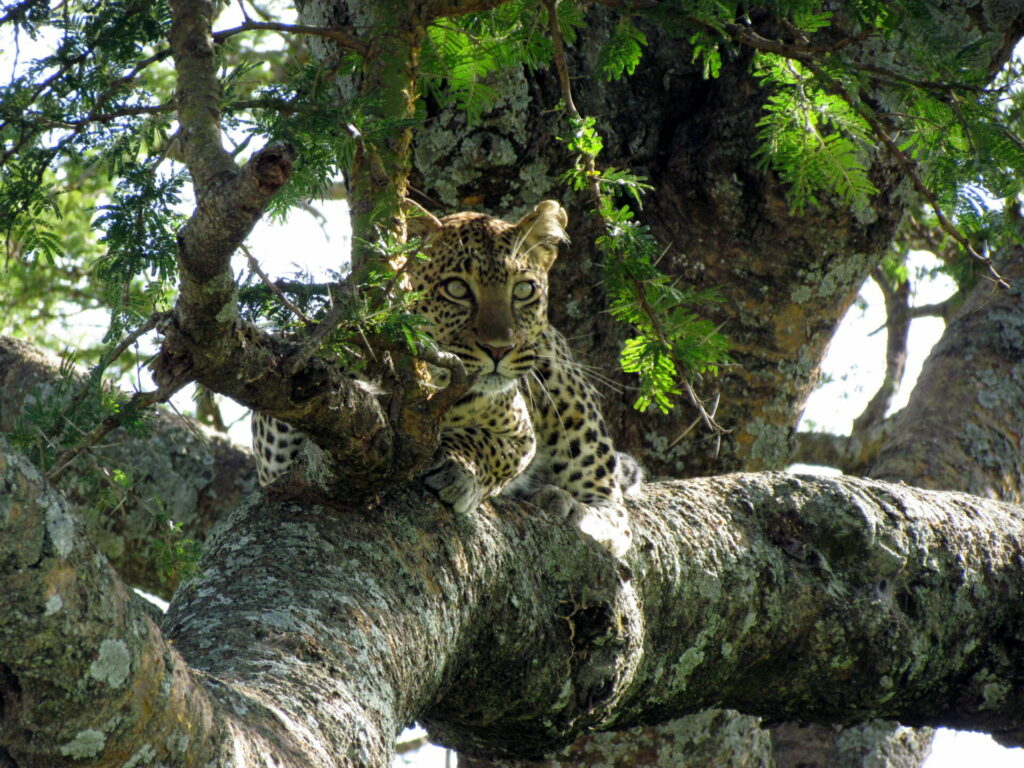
(608, 525)
(554, 500)
(453, 484)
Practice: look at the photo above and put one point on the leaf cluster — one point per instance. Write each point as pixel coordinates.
(825, 110)
(462, 52)
(59, 416)
(814, 140)
(672, 343)
(139, 226)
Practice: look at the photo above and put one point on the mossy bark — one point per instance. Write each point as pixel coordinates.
(313, 634)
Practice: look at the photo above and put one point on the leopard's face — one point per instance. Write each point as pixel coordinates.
(485, 290)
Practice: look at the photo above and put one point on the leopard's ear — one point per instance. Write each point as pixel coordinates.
(419, 222)
(540, 232)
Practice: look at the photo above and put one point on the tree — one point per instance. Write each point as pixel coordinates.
(791, 154)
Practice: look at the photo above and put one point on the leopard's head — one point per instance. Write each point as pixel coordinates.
(485, 288)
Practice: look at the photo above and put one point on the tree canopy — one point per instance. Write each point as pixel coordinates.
(734, 172)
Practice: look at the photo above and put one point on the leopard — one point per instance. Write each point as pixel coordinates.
(530, 426)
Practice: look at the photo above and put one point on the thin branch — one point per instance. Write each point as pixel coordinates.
(299, 288)
(104, 362)
(922, 236)
(255, 267)
(943, 309)
(405, 747)
(624, 5)
(94, 117)
(752, 39)
(137, 403)
(334, 318)
(338, 35)
(280, 105)
(897, 324)
(438, 8)
(895, 78)
(128, 78)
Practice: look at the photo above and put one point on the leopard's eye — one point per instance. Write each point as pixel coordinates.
(524, 289)
(457, 289)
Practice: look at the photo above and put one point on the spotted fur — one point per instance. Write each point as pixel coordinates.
(531, 424)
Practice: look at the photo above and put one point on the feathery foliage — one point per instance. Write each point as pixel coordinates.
(814, 140)
(671, 342)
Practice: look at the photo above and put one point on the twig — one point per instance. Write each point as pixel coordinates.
(104, 362)
(338, 35)
(321, 331)
(308, 289)
(748, 37)
(94, 117)
(255, 267)
(895, 78)
(109, 424)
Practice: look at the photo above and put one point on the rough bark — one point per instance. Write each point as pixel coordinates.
(181, 472)
(315, 634)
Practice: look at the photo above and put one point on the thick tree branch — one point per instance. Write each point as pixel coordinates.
(85, 673)
(826, 600)
(78, 656)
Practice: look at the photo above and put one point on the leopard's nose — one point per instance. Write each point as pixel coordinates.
(495, 352)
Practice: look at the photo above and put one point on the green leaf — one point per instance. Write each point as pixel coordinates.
(621, 54)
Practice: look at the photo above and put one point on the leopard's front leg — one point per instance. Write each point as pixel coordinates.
(476, 462)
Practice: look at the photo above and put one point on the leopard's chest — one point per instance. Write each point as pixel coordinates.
(501, 413)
